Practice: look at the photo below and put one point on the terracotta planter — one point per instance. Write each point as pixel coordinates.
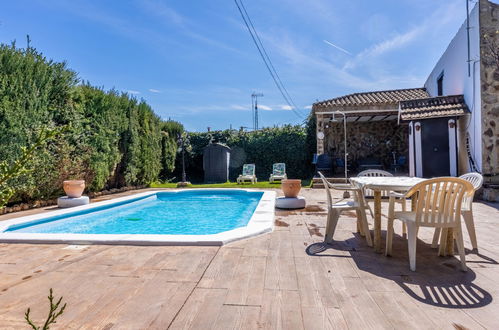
(291, 187)
(74, 188)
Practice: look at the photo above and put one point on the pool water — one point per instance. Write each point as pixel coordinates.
(190, 212)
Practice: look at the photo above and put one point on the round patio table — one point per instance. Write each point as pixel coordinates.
(378, 184)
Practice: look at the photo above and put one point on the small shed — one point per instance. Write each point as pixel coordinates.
(216, 159)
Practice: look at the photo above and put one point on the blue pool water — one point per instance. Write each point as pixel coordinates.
(190, 212)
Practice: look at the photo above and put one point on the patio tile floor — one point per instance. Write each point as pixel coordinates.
(285, 279)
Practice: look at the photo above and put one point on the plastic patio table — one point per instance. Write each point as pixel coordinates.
(377, 185)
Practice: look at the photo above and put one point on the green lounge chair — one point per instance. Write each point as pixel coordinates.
(248, 174)
(278, 172)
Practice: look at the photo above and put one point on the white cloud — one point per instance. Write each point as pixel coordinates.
(399, 40)
(152, 90)
(307, 107)
(239, 107)
(264, 107)
(132, 92)
(189, 28)
(285, 107)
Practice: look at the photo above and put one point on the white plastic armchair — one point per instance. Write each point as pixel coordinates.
(334, 209)
(438, 204)
(370, 193)
(476, 179)
(377, 173)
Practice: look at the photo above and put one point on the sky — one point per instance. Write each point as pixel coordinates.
(195, 62)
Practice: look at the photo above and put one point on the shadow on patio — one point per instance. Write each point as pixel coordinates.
(438, 281)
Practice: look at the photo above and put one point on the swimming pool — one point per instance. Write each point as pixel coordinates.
(195, 216)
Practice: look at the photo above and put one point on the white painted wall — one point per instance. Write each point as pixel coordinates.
(453, 64)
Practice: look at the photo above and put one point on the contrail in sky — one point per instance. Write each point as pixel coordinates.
(337, 47)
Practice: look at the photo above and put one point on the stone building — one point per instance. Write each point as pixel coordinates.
(459, 101)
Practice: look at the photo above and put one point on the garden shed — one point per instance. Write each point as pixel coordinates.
(216, 160)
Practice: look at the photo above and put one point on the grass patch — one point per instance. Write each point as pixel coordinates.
(262, 184)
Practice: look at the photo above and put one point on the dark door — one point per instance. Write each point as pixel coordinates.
(435, 147)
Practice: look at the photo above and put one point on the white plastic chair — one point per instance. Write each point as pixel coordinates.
(334, 210)
(476, 179)
(370, 193)
(438, 204)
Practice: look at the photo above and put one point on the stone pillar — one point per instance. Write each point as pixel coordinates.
(489, 78)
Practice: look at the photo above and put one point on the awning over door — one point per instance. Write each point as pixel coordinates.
(434, 107)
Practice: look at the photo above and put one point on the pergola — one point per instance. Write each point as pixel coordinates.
(372, 118)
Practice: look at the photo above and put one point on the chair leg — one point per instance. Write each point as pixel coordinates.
(404, 226)
(470, 225)
(411, 242)
(442, 250)
(332, 221)
(389, 237)
(370, 209)
(436, 235)
(460, 246)
(365, 227)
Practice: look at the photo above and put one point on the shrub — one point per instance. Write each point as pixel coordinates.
(113, 139)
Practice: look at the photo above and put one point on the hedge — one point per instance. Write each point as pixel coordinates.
(113, 140)
(288, 144)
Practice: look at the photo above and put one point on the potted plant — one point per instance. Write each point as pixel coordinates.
(74, 188)
(291, 187)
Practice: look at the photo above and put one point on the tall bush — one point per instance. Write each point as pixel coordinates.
(170, 132)
(113, 139)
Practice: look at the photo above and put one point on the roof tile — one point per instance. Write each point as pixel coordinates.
(374, 98)
(434, 107)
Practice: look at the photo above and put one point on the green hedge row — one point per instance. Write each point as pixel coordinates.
(113, 139)
(293, 145)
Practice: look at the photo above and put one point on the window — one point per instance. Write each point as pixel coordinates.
(440, 84)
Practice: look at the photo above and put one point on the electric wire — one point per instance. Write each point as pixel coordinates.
(266, 59)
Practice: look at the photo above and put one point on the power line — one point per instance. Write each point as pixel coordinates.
(267, 56)
(266, 59)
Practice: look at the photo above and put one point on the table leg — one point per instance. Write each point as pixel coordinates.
(377, 221)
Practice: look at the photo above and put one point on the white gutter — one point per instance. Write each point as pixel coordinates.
(358, 111)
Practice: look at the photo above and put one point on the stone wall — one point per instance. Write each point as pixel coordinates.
(373, 139)
(489, 68)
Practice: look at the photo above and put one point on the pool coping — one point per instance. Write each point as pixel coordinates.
(262, 221)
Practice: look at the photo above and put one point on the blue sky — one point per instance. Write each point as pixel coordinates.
(194, 61)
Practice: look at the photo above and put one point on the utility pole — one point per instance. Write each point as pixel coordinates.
(254, 106)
